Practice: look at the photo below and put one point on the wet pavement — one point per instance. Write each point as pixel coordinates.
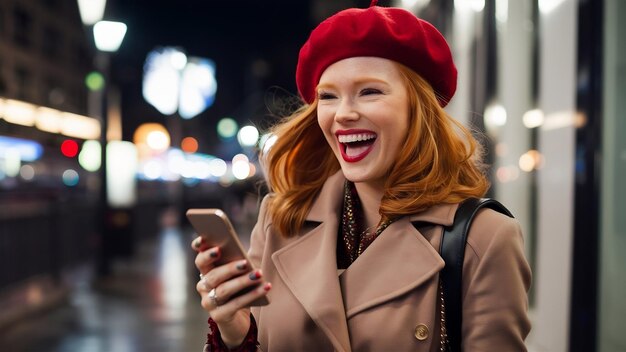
(149, 304)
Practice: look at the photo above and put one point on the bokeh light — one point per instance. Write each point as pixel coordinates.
(153, 170)
(144, 136)
(94, 81)
(218, 167)
(227, 127)
(90, 157)
(507, 174)
(252, 170)
(69, 148)
(12, 162)
(530, 161)
(158, 140)
(248, 136)
(189, 145)
(241, 169)
(495, 116)
(27, 172)
(198, 87)
(533, 118)
(70, 178)
(161, 79)
(23, 149)
(178, 59)
(240, 157)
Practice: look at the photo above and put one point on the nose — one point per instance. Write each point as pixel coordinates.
(346, 111)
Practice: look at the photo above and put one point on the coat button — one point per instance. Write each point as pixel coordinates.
(421, 332)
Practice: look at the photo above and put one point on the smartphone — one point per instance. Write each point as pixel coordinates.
(216, 230)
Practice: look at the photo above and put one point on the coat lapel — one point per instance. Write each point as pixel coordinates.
(316, 284)
(399, 260)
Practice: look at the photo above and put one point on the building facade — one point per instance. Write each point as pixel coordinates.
(542, 81)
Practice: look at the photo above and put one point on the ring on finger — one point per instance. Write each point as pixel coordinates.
(213, 297)
(204, 283)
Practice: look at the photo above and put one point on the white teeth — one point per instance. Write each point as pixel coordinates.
(349, 138)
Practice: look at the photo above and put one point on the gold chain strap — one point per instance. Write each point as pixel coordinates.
(442, 315)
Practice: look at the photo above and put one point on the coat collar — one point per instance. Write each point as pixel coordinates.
(396, 262)
(330, 200)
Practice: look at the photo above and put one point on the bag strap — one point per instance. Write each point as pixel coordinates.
(452, 251)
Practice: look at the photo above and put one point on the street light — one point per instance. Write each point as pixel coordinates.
(91, 11)
(108, 37)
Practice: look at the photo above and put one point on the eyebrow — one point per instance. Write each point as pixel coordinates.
(360, 81)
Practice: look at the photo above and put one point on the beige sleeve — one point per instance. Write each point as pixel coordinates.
(496, 280)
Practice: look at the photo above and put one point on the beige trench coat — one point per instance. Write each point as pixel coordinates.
(392, 288)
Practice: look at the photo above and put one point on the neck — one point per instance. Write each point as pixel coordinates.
(370, 196)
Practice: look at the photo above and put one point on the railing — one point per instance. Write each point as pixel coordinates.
(42, 237)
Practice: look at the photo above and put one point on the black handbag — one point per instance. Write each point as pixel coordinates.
(452, 251)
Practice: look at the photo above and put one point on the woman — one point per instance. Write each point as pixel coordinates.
(363, 178)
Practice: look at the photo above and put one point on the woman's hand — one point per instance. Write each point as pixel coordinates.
(218, 285)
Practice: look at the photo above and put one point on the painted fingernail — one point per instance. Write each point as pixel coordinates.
(242, 265)
(267, 286)
(255, 275)
(214, 253)
(197, 243)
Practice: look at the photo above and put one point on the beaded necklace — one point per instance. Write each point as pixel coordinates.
(355, 238)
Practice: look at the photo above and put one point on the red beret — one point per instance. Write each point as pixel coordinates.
(390, 33)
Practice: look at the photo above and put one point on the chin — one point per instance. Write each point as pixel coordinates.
(356, 176)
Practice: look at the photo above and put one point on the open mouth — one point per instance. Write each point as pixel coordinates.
(356, 146)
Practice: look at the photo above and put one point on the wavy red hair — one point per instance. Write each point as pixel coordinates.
(438, 163)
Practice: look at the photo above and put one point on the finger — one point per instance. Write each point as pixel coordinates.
(227, 310)
(232, 287)
(202, 288)
(205, 260)
(223, 273)
(197, 243)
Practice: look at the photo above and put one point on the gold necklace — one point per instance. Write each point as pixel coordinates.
(356, 241)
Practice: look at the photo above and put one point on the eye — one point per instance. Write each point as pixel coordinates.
(325, 96)
(370, 91)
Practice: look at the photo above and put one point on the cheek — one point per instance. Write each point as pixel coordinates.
(325, 123)
(398, 134)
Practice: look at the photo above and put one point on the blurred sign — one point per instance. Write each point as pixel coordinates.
(173, 82)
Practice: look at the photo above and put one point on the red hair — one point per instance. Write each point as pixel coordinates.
(438, 163)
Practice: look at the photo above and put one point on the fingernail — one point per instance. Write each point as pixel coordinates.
(267, 286)
(198, 242)
(214, 253)
(255, 275)
(241, 265)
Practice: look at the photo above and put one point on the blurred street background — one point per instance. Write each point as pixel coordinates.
(118, 116)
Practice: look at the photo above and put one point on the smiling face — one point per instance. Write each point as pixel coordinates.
(363, 112)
